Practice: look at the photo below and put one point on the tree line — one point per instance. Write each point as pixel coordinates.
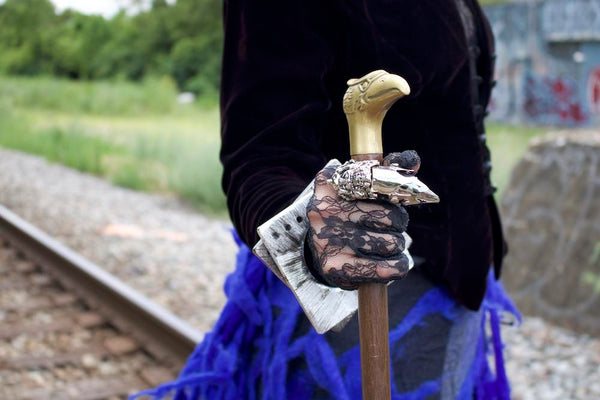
(182, 40)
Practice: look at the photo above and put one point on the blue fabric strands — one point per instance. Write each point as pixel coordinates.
(253, 349)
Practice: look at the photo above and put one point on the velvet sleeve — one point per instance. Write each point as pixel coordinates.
(274, 104)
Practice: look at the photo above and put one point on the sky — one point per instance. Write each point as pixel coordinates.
(108, 8)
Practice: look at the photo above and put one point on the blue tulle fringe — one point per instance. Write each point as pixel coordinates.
(248, 353)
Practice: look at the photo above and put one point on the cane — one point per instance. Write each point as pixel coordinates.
(365, 104)
(280, 248)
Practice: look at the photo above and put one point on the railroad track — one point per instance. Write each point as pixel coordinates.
(70, 330)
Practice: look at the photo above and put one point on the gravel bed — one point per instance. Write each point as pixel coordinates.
(55, 378)
(173, 255)
(49, 343)
(180, 258)
(546, 362)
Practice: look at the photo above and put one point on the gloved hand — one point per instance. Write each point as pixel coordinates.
(358, 241)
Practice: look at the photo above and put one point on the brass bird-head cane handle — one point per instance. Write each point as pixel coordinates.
(366, 102)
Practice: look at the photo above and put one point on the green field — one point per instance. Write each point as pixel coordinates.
(508, 144)
(136, 136)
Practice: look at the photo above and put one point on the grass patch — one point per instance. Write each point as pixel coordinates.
(153, 160)
(507, 145)
(153, 96)
(492, 2)
(72, 149)
(134, 142)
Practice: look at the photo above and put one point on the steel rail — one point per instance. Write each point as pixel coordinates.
(162, 333)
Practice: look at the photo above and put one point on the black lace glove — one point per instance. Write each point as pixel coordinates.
(357, 241)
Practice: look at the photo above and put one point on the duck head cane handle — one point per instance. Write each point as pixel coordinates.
(365, 104)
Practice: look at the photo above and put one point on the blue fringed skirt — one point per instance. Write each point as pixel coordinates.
(262, 346)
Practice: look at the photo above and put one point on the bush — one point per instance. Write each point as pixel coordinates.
(183, 39)
(157, 96)
(195, 68)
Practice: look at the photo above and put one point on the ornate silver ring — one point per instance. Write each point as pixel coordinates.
(368, 180)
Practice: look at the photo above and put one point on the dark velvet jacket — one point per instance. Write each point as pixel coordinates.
(285, 68)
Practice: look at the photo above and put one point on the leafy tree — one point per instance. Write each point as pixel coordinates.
(183, 39)
(77, 45)
(195, 68)
(23, 41)
(196, 28)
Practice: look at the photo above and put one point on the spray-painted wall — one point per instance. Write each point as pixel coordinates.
(548, 62)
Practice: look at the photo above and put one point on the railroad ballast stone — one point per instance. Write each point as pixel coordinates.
(157, 245)
(54, 352)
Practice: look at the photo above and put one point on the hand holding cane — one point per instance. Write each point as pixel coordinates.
(345, 230)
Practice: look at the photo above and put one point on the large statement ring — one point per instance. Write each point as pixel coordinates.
(368, 180)
(352, 180)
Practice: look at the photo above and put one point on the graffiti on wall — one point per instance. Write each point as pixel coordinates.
(573, 19)
(545, 52)
(552, 101)
(594, 90)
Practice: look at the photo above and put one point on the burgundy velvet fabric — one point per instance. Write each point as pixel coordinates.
(285, 68)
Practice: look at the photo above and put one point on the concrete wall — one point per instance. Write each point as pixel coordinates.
(548, 65)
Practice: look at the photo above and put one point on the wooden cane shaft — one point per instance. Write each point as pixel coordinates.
(374, 341)
(373, 326)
